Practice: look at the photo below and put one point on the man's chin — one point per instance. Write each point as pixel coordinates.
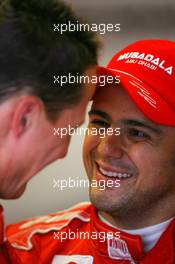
(15, 195)
(19, 192)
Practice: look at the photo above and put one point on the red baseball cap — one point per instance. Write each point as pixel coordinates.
(146, 70)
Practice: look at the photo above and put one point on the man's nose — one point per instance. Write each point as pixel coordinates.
(111, 146)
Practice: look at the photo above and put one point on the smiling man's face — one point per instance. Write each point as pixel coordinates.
(142, 157)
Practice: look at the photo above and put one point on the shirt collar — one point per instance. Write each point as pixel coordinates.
(149, 235)
(127, 247)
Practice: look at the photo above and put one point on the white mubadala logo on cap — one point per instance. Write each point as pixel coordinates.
(148, 58)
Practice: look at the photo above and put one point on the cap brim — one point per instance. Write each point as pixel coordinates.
(150, 103)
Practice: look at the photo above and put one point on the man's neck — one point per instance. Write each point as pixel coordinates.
(140, 219)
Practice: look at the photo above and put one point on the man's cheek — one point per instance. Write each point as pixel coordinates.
(86, 152)
(88, 148)
(141, 163)
(140, 158)
(90, 142)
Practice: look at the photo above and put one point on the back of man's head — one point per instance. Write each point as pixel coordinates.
(31, 53)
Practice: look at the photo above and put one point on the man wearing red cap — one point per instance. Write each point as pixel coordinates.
(132, 222)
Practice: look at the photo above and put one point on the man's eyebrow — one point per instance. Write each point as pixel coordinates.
(99, 113)
(138, 123)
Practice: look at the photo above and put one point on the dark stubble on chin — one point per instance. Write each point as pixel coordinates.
(137, 203)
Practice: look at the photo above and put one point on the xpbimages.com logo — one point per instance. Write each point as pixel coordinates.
(82, 131)
(79, 235)
(101, 80)
(72, 183)
(102, 28)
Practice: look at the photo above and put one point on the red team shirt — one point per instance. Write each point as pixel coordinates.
(78, 236)
(3, 259)
(5, 248)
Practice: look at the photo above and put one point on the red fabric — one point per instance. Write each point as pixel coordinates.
(4, 259)
(44, 248)
(5, 248)
(146, 70)
(2, 250)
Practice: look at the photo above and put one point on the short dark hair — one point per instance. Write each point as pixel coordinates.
(31, 53)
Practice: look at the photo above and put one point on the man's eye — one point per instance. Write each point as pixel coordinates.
(99, 122)
(138, 134)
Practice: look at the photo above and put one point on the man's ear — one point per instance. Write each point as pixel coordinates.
(26, 113)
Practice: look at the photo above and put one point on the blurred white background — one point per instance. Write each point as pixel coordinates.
(139, 19)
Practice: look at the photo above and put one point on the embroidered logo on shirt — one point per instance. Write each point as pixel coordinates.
(118, 249)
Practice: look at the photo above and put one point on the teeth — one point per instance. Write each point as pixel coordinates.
(115, 174)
